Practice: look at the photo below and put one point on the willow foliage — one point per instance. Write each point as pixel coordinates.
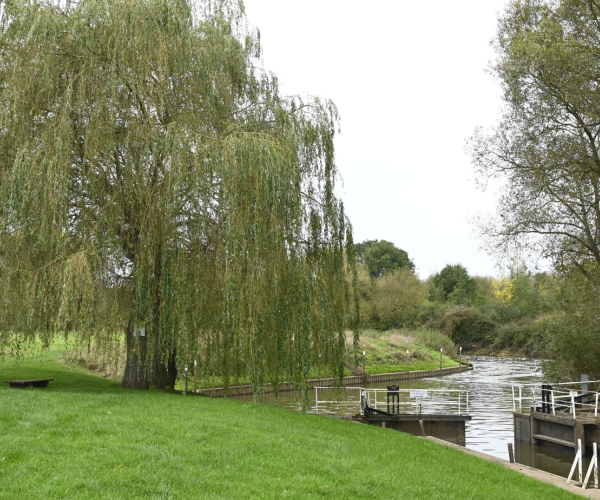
(152, 179)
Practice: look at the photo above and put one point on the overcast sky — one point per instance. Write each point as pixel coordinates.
(410, 84)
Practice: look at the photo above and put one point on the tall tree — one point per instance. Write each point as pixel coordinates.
(382, 257)
(154, 183)
(546, 146)
(453, 283)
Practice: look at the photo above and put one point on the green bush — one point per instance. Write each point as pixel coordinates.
(466, 326)
(430, 316)
(515, 334)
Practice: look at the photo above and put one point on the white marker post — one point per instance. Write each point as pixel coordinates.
(195, 377)
(364, 363)
(186, 379)
(319, 370)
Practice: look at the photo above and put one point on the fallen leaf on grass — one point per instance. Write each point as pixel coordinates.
(119, 467)
(110, 412)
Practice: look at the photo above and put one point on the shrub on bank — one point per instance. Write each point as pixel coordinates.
(467, 326)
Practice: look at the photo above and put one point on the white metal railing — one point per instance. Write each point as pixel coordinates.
(403, 401)
(348, 403)
(565, 397)
(418, 401)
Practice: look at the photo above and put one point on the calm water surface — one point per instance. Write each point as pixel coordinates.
(490, 405)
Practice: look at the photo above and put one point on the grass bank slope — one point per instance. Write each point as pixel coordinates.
(83, 437)
(386, 351)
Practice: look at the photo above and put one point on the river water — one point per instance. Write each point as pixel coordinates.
(490, 405)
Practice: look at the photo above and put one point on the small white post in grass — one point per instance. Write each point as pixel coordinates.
(407, 360)
(594, 466)
(319, 369)
(195, 377)
(441, 356)
(365, 364)
(186, 379)
(575, 462)
(460, 355)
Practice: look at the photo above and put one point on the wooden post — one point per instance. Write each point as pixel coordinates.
(422, 428)
(365, 364)
(511, 455)
(319, 369)
(186, 379)
(195, 377)
(580, 435)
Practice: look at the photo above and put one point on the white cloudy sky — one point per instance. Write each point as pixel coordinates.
(410, 84)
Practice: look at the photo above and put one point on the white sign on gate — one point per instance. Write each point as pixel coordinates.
(419, 393)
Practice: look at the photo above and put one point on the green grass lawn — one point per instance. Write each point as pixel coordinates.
(83, 437)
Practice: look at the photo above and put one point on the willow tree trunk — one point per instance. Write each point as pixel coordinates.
(136, 368)
(164, 375)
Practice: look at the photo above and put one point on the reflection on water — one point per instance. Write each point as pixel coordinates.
(490, 405)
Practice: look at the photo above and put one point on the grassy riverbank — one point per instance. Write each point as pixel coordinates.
(386, 351)
(83, 437)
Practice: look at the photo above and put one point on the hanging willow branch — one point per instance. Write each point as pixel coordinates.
(156, 187)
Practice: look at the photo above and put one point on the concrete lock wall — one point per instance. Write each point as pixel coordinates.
(555, 431)
(446, 427)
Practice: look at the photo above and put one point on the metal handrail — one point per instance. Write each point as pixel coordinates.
(560, 399)
(456, 401)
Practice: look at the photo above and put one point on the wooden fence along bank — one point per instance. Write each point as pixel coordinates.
(352, 380)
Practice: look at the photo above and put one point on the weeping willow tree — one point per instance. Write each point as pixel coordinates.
(157, 189)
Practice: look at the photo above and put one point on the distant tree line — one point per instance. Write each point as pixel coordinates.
(511, 312)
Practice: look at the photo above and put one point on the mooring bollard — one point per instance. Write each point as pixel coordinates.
(511, 455)
(422, 425)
